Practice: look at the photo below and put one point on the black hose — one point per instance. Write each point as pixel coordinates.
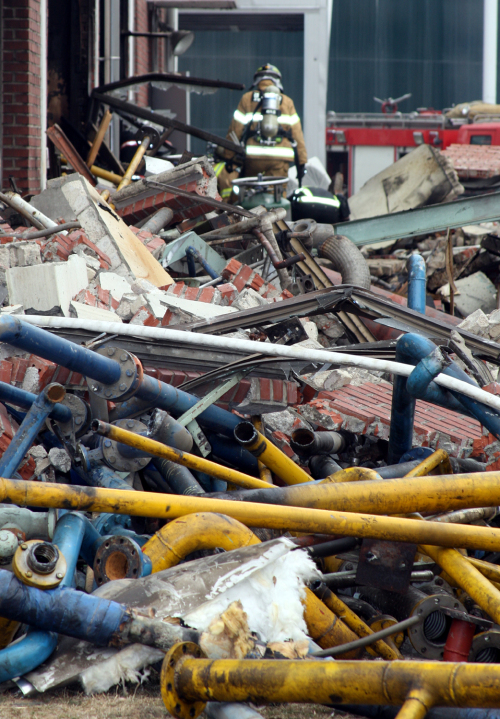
(326, 549)
(346, 259)
(179, 478)
(306, 442)
(321, 466)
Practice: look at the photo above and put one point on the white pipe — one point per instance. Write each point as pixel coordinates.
(26, 210)
(43, 94)
(490, 40)
(107, 41)
(265, 348)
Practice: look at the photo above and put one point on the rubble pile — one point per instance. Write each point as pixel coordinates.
(219, 456)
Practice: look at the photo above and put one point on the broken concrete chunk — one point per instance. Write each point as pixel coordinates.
(354, 376)
(329, 325)
(129, 304)
(248, 299)
(12, 310)
(311, 329)
(129, 257)
(385, 267)
(116, 285)
(86, 312)
(476, 292)
(423, 176)
(60, 459)
(47, 288)
(286, 421)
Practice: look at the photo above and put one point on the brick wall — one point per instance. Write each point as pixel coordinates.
(21, 93)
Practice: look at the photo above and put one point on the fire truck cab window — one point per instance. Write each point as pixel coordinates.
(480, 139)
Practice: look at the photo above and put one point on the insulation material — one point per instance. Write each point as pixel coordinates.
(198, 591)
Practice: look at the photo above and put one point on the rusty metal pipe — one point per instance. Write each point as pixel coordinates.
(278, 263)
(188, 682)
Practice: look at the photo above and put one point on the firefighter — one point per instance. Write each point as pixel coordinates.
(268, 126)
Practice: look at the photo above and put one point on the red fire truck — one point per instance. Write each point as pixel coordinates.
(359, 145)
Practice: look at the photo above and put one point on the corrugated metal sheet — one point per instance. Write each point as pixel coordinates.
(431, 48)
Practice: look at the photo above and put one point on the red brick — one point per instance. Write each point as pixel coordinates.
(228, 292)
(206, 295)
(191, 293)
(242, 278)
(5, 371)
(277, 390)
(231, 269)
(265, 389)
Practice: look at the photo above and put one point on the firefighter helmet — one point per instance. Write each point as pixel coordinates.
(268, 72)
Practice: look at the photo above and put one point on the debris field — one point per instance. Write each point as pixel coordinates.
(257, 457)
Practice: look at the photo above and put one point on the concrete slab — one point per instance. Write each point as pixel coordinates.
(85, 312)
(47, 287)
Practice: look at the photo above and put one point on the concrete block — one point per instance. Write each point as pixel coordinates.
(12, 310)
(85, 312)
(159, 302)
(129, 304)
(477, 291)
(47, 287)
(249, 298)
(478, 323)
(116, 285)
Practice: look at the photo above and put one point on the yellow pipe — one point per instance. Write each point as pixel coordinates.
(355, 623)
(388, 496)
(135, 162)
(470, 579)
(185, 680)
(176, 455)
(8, 628)
(264, 473)
(265, 451)
(352, 474)
(106, 175)
(487, 569)
(204, 530)
(438, 459)
(417, 704)
(325, 627)
(96, 145)
(313, 521)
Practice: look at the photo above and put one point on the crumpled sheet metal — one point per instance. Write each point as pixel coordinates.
(196, 591)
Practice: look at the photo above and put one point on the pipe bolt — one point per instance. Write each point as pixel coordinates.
(123, 358)
(24, 546)
(107, 443)
(29, 574)
(123, 386)
(108, 393)
(370, 557)
(60, 575)
(110, 351)
(129, 373)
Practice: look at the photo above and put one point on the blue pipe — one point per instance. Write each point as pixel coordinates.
(56, 349)
(63, 610)
(24, 399)
(232, 453)
(107, 371)
(427, 369)
(25, 435)
(177, 402)
(417, 283)
(37, 646)
(413, 349)
(192, 255)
